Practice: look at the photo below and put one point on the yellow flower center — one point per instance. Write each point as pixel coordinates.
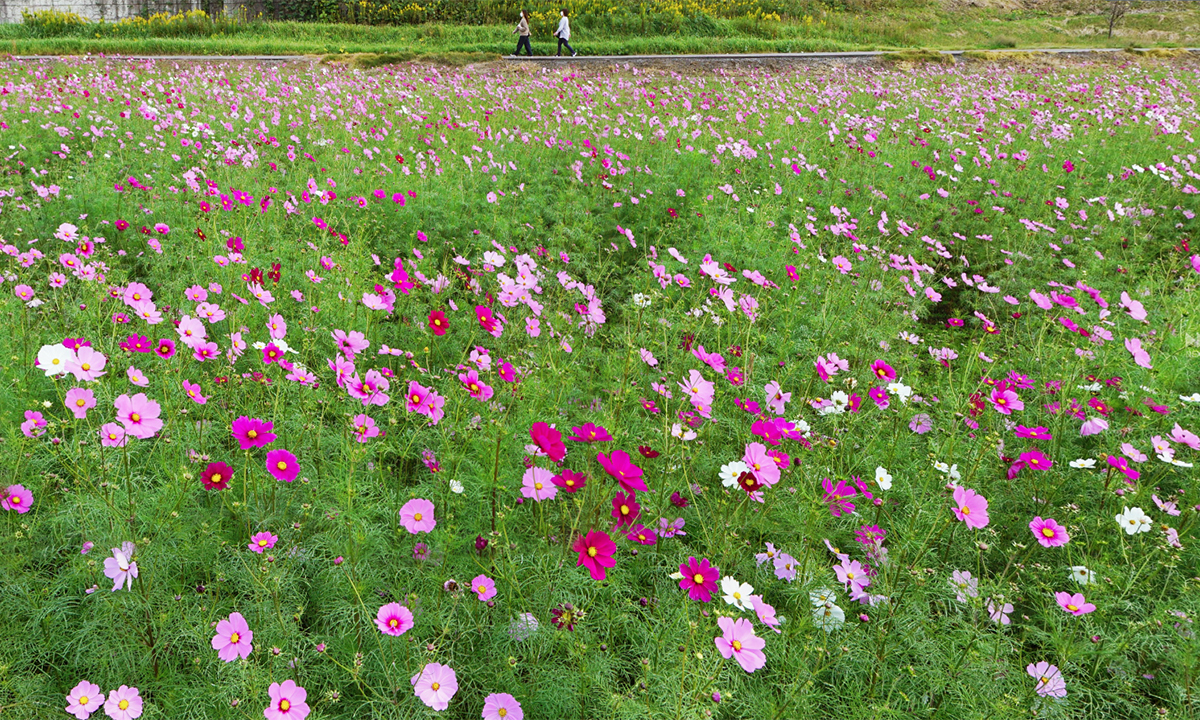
(393, 622)
(284, 705)
(482, 589)
(737, 596)
(80, 402)
(55, 361)
(234, 638)
(135, 417)
(641, 536)
(592, 552)
(1047, 532)
(624, 509)
(83, 700)
(698, 579)
(537, 486)
(417, 517)
(435, 686)
(252, 434)
(502, 712)
(262, 543)
(1072, 608)
(965, 510)
(1045, 681)
(216, 478)
(86, 366)
(415, 398)
(737, 644)
(281, 465)
(474, 387)
(124, 704)
(850, 575)
(570, 483)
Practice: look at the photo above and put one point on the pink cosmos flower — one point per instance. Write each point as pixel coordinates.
(350, 343)
(739, 642)
(502, 706)
(642, 535)
(538, 484)
(1050, 682)
(484, 587)
(970, 507)
(477, 388)
(262, 542)
(282, 464)
(836, 496)
(233, 638)
(1036, 433)
(193, 391)
(1048, 532)
(764, 469)
(124, 704)
(549, 440)
(87, 365)
(112, 435)
(287, 702)
(595, 552)
(777, 399)
(622, 469)
(699, 579)
(436, 684)
(1184, 437)
(417, 516)
(589, 433)
(394, 619)
(84, 699)
(120, 568)
(1006, 401)
(766, 613)
(883, 371)
(364, 428)
(416, 397)
(252, 432)
(625, 509)
(1074, 604)
(16, 497)
(1140, 356)
(137, 377)
(139, 415)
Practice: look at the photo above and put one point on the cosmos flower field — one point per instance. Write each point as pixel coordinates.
(414, 392)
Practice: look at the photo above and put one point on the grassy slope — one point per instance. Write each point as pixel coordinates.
(930, 26)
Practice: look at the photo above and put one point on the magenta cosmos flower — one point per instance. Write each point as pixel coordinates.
(287, 702)
(699, 579)
(79, 401)
(16, 497)
(1049, 533)
(252, 432)
(1074, 604)
(484, 587)
(623, 470)
(394, 619)
(739, 642)
(84, 699)
(883, 371)
(595, 552)
(502, 706)
(216, 476)
(538, 484)
(569, 480)
(193, 391)
(549, 440)
(417, 516)
(435, 685)
(589, 433)
(124, 704)
(282, 464)
(625, 509)
(139, 415)
(1050, 682)
(233, 638)
(970, 507)
(262, 541)
(1006, 401)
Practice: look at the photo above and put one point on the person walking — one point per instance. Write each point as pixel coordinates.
(522, 33)
(563, 33)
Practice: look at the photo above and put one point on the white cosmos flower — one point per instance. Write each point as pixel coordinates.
(828, 617)
(1193, 398)
(821, 596)
(730, 472)
(883, 479)
(642, 301)
(901, 391)
(737, 594)
(1087, 463)
(1082, 575)
(456, 487)
(1134, 521)
(53, 359)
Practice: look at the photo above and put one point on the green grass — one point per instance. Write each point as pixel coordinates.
(923, 25)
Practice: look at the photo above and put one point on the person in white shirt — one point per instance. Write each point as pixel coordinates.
(563, 33)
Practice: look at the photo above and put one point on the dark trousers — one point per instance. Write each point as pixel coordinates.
(561, 43)
(523, 42)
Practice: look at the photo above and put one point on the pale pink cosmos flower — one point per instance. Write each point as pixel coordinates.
(137, 377)
(233, 638)
(1050, 682)
(124, 703)
(193, 391)
(287, 702)
(1074, 604)
(139, 415)
(79, 401)
(1140, 356)
(120, 568)
(477, 388)
(502, 706)
(761, 465)
(350, 343)
(483, 587)
(394, 619)
(765, 612)
(739, 642)
(435, 684)
(1048, 532)
(970, 507)
(536, 484)
(777, 399)
(417, 516)
(87, 365)
(84, 699)
(1184, 437)
(364, 428)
